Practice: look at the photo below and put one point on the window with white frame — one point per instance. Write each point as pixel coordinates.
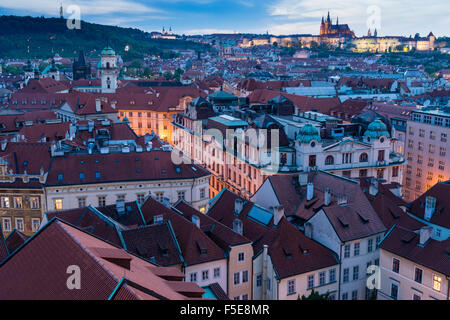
(370, 245)
(217, 272)
(193, 277)
(34, 203)
(259, 280)
(332, 275)
(101, 201)
(140, 198)
(244, 276)
(20, 224)
(237, 278)
(81, 202)
(322, 277)
(356, 249)
(346, 275)
(437, 282)
(35, 224)
(347, 251)
(6, 224)
(355, 272)
(311, 281)
(291, 287)
(18, 202)
(58, 203)
(241, 256)
(205, 275)
(5, 202)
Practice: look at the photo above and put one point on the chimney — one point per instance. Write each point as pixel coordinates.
(264, 271)
(308, 230)
(120, 206)
(98, 105)
(430, 207)
(327, 197)
(278, 213)
(90, 125)
(238, 206)
(309, 191)
(373, 189)
(196, 221)
(303, 178)
(425, 234)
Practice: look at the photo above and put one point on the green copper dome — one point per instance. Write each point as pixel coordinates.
(308, 133)
(108, 51)
(377, 129)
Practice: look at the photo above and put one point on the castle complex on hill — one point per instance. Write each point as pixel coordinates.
(340, 35)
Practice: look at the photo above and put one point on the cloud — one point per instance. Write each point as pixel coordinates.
(88, 7)
(396, 17)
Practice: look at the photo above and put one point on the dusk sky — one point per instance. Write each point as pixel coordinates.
(402, 17)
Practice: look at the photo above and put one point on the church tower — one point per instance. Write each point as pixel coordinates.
(108, 70)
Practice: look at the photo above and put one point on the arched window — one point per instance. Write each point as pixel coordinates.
(329, 160)
(363, 157)
(107, 65)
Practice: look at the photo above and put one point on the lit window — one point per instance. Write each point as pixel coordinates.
(437, 283)
(18, 202)
(34, 203)
(58, 204)
(5, 202)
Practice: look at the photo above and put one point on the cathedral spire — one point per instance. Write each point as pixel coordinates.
(328, 17)
(337, 20)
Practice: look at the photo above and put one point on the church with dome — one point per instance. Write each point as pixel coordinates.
(350, 156)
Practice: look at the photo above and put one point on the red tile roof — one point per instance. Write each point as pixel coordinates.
(291, 251)
(191, 239)
(39, 270)
(15, 239)
(406, 243)
(116, 167)
(441, 216)
(322, 105)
